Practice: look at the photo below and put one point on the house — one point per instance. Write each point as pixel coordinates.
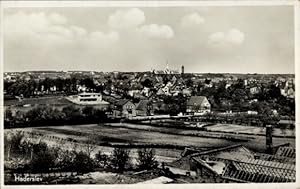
(124, 108)
(198, 105)
(236, 164)
(133, 92)
(254, 90)
(144, 108)
(146, 91)
(186, 92)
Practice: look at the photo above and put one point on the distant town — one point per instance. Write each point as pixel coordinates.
(157, 126)
(168, 91)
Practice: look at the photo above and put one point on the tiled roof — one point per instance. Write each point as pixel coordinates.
(260, 171)
(121, 102)
(225, 149)
(246, 168)
(276, 158)
(195, 100)
(286, 151)
(142, 105)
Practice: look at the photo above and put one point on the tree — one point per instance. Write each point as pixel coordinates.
(83, 163)
(43, 157)
(189, 82)
(88, 111)
(120, 159)
(8, 118)
(88, 82)
(147, 83)
(12, 144)
(146, 158)
(274, 92)
(89, 146)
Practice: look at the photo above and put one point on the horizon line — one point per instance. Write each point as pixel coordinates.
(253, 73)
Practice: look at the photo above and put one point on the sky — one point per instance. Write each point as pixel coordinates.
(239, 39)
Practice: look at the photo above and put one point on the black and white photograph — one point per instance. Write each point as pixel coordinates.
(135, 93)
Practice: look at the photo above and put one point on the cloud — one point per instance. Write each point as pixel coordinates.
(129, 18)
(50, 28)
(157, 31)
(192, 19)
(235, 36)
(232, 36)
(57, 18)
(100, 36)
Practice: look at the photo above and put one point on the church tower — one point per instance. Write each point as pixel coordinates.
(182, 70)
(167, 71)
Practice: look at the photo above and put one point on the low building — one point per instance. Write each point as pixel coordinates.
(87, 99)
(286, 123)
(198, 105)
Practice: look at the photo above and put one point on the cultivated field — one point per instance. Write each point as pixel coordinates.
(168, 145)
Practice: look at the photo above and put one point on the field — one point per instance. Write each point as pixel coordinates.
(168, 145)
(230, 128)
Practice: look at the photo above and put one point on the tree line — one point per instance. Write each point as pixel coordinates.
(50, 116)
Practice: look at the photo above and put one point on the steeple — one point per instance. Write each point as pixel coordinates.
(167, 68)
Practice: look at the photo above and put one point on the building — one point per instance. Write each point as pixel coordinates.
(286, 123)
(198, 105)
(236, 163)
(144, 108)
(87, 99)
(124, 109)
(254, 90)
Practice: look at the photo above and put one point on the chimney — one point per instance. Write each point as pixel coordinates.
(269, 144)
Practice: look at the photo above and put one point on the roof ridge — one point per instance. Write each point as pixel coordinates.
(218, 149)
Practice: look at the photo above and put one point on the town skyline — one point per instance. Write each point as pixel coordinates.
(138, 39)
(237, 73)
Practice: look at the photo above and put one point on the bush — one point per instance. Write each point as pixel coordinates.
(146, 159)
(83, 163)
(43, 158)
(66, 160)
(101, 159)
(120, 159)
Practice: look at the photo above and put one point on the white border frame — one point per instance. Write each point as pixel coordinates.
(24, 4)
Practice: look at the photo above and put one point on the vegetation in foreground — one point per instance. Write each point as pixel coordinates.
(26, 157)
